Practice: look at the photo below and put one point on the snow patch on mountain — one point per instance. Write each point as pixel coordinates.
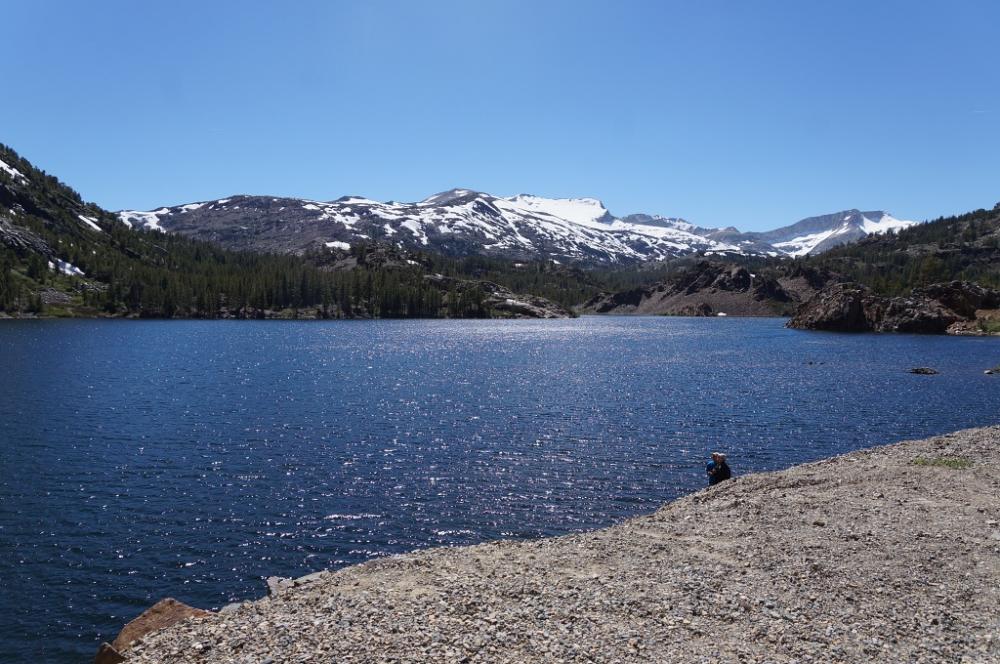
(853, 226)
(805, 244)
(885, 224)
(464, 221)
(66, 268)
(91, 222)
(675, 236)
(442, 197)
(147, 220)
(13, 172)
(583, 211)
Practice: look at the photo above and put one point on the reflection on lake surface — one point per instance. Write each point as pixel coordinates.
(191, 459)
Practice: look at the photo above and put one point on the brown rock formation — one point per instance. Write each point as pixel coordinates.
(165, 613)
(945, 308)
(107, 654)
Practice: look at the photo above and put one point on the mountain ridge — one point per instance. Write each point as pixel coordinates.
(521, 227)
(62, 256)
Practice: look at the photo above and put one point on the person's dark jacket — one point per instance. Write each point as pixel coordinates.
(719, 472)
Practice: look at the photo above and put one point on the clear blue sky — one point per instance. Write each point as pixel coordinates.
(753, 114)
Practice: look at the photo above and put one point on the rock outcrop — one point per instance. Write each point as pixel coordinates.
(23, 240)
(962, 297)
(710, 289)
(165, 613)
(840, 307)
(947, 308)
(499, 301)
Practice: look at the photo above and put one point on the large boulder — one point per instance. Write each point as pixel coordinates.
(165, 613)
(107, 654)
(845, 307)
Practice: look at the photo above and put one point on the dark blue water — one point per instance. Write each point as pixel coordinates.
(191, 459)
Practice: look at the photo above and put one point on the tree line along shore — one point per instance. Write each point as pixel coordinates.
(61, 256)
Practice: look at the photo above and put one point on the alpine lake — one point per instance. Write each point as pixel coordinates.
(193, 459)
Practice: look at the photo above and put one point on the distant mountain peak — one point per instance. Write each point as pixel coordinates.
(445, 197)
(464, 221)
(814, 235)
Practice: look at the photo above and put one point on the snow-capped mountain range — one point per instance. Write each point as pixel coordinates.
(463, 222)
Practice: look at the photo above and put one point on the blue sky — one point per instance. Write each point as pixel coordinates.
(752, 114)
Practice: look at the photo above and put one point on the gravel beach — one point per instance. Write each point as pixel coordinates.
(884, 555)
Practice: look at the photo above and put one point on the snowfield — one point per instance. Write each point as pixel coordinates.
(147, 220)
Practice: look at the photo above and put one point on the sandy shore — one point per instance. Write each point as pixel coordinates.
(883, 555)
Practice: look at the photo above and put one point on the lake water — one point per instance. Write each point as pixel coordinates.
(192, 459)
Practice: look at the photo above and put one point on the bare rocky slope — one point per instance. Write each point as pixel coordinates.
(710, 288)
(885, 555)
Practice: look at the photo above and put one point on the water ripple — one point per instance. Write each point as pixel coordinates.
(192, 459)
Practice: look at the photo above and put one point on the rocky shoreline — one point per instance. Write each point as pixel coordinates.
(955, 307)
(887, 554)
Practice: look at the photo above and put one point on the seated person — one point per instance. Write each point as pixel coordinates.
(718, 469)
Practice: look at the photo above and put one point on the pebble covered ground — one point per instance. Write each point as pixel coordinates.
(884, 555)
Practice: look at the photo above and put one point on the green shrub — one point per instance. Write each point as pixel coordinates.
(955, 463)
(989, 326)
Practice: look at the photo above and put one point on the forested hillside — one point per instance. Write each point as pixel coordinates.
(62, 256)
(964, 247)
